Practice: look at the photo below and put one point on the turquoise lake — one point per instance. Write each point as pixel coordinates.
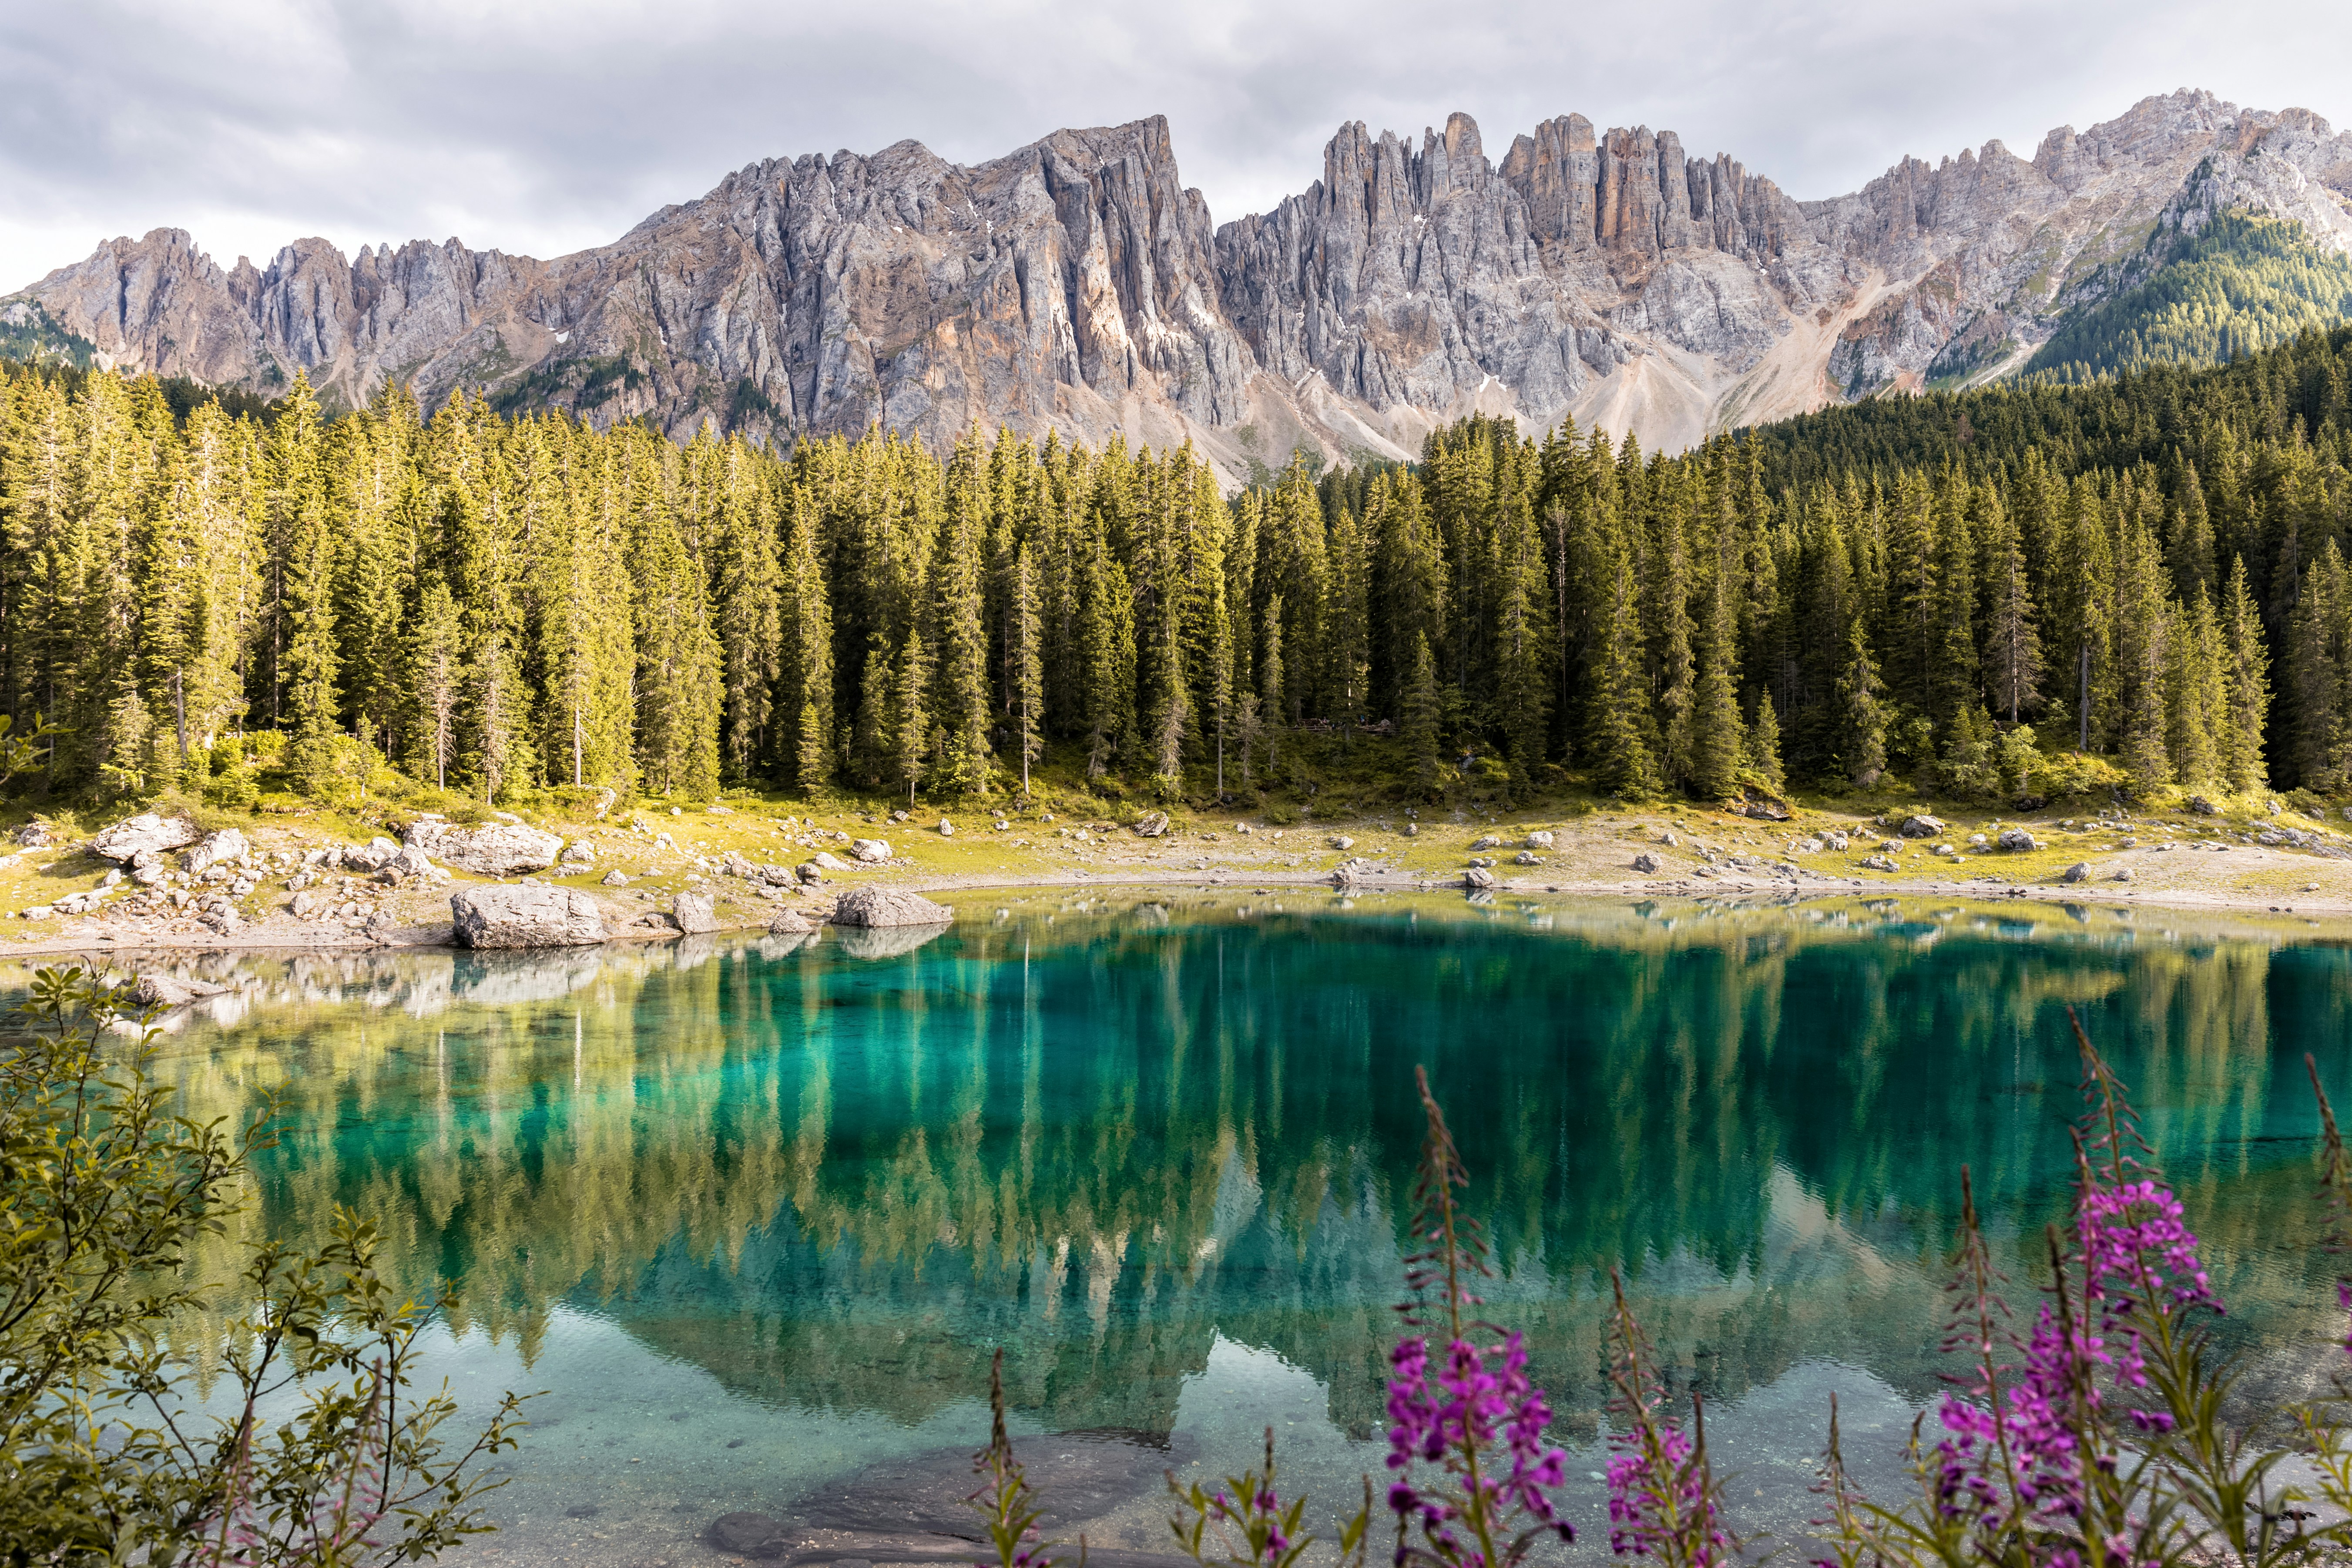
(756, 1213)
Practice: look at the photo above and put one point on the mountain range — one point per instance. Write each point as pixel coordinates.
(1076, 283)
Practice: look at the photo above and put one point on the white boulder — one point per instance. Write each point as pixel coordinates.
(535, 917)
(501, 848)
(147, 833)
(889, 907)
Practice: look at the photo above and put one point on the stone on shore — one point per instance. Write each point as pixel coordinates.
(1921, 827)
(1152, 825)
(228, 844)
(889, 907)
(2079, 872)
(497, 849)
(695, 912)
(1478, 877)
(789, 923)
(532, 916)
(870, 850)
(1646, 863)
(144, 834)
(2016, 840)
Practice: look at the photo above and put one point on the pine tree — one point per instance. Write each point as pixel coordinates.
(804, 689)
(1718, 739)
(1618, 742)
(2247, 696)
(1419, 729)
(2012, 659)
(910, 718)
(1761, 757)
(1024, 666)
(1271, 694)
(436, 666)
(1861, 729)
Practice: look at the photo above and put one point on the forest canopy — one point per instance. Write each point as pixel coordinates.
(2031, 590)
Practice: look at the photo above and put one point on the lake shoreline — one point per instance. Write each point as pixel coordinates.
(273, 936)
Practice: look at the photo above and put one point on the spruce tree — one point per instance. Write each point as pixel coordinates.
(1026, 666)
(1861, 729)
(910, 716)
(2247, 695)
(1761, 758)
(1419, 731)
(1718, 739)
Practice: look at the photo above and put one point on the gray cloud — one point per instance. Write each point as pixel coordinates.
(540, 128)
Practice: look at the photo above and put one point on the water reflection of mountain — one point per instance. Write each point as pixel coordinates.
(1098, 1139)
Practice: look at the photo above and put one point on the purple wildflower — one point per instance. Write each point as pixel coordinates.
(1477, 1416)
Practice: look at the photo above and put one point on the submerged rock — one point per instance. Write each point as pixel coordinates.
(746, 1534)
(1078, 1475)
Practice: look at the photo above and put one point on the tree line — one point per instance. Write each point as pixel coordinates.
(2035, 590)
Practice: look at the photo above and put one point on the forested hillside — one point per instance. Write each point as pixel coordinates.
(1957, 592)
(2243, 283)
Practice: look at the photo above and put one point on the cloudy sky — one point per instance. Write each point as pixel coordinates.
(542, 126)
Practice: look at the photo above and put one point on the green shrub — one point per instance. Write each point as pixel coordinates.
(101, 1459)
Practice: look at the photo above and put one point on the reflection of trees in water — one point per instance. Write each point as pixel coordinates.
(841, 1181)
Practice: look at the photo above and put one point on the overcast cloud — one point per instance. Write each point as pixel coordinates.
(541, 127)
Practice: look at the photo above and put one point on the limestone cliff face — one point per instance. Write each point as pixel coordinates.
(1075, 284)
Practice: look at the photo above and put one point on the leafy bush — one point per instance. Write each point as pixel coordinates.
(103, 1196)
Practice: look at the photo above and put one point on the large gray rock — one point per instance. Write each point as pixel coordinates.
(695, 912)
(2017, 841)
(145, 834)
(493, 849)
(789, 923)
(889, 907)
(1152, 825)
(2079, 872)
(870, 849)
(1921, 827)
(1646, 863)
(405, 862)
(227, 844)
(534, 917)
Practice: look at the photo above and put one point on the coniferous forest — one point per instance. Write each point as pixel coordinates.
(2028, 591)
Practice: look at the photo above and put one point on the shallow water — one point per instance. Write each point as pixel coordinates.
(757, 1214)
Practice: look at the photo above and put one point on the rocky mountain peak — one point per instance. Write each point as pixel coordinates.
(1077, 283)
